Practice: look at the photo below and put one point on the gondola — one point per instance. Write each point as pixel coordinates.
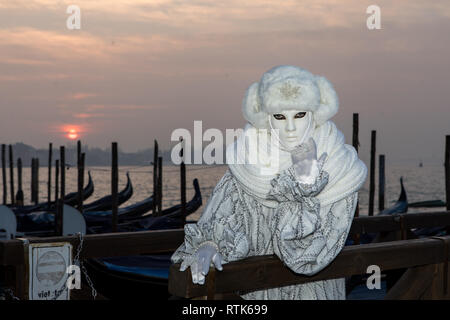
(400, 206)
(137, 209)
(132, 277)
(428, 204)
(70, 199)
(169, 218)
(42, 222)
(130, 218)
(105, 203)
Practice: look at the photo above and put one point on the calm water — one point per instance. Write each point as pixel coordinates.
(425, 183)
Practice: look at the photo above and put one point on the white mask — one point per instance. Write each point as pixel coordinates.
(293, 127)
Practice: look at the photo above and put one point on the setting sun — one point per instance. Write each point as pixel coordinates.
(72, 134)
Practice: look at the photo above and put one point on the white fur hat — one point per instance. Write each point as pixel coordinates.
(289, 87)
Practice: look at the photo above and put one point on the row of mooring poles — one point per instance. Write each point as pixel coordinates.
(382, 173)
(157, 182)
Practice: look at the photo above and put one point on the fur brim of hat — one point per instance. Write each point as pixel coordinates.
(289, 88)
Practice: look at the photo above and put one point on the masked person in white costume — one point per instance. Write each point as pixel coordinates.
(299, 207)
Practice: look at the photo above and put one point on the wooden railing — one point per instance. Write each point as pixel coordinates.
(94, 246)
(264, 271)
(426, 259)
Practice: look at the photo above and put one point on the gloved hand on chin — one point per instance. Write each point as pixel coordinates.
(201, 260)
(306, 165)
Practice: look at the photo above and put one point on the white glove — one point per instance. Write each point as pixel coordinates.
(306, 165)
(201, 260)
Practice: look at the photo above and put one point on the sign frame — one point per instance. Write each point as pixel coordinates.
(42, 256)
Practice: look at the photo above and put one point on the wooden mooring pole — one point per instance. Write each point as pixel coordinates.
(356, 146)
(49, 182)
(355, 142)
(372, 172)
(56, 181)
(183, 186)
(5, 189)
(33, 180)
(114, 185)
(160, 195)
(80, 199)
(62, 193)
(11, 174)
(447, 171)
(19, 196)
(381, 183)
(36, 182)
(155, 178)
(80, 176)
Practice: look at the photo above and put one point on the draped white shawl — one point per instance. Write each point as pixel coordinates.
(347, 172)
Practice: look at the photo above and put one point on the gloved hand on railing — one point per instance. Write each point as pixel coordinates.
(304, 160)
(201, 260)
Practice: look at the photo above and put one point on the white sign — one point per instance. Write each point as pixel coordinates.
(48, 263)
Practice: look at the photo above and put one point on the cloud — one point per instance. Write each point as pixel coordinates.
(81, 96)
(233, 16)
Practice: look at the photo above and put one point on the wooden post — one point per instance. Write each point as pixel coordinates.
(114, 186)
(62, 163)
(80, 177)
(382, 183)
(11, 174)
(447, 171)
(62, 193)
(356, 146)
(36, 183)
(49, 183)
(19, 196)
(355, 142)
(33, 180)
(5, 189)
(155, 178)
(160, 195)
(80, 199)
(56, 181)
(183, 187)
(447, 176)
(372, 172)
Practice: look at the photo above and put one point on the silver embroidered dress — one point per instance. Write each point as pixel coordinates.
(303, 234)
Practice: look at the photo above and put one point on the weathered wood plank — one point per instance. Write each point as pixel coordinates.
(413, 284)
(393, 222)
(264, 272)
(102, 245)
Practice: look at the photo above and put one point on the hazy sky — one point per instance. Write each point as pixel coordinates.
(139, 69)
